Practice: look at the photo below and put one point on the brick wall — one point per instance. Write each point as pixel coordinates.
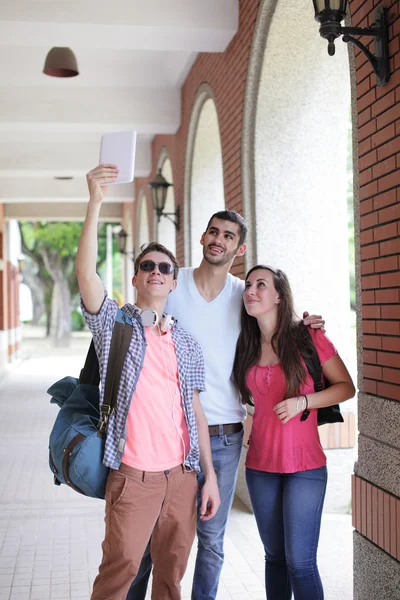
(379, 163)
(226, 74)
(375, 493)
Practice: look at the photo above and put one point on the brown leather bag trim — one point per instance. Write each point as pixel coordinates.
(65, 461)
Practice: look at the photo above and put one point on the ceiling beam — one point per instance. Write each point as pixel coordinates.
(189, 25)
(60, 212)
(60, 158)
(146, 110)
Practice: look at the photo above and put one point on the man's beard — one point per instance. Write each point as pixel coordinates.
(219, 260)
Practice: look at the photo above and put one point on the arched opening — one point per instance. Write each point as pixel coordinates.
(301, 167)
(166, 230)
(295, 173)
(143, 232)
(205, 193)
(128, 271)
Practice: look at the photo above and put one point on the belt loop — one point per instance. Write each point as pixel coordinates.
(221, 431)
(143, 474)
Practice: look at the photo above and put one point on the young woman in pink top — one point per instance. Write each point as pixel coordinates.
(286, 466)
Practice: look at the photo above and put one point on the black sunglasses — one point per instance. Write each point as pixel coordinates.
(148, 266)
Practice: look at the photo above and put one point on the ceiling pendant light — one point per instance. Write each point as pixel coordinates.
(61, 62)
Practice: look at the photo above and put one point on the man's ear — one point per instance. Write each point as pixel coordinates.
(134, 281)
(173, 286)
(241, 250)
(202, 238)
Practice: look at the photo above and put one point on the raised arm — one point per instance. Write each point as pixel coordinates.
(210, 499)
(90, 285)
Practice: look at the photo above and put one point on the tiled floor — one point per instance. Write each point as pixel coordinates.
(50, 536)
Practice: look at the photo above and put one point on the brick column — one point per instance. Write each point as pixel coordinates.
(18, 332)
(376, 483)
(11, 283)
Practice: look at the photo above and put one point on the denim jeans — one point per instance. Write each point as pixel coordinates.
(288, 509)
(226, 451)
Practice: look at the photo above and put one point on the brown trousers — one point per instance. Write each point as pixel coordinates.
(140, 505)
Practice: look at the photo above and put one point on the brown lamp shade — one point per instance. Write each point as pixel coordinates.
(61, 62)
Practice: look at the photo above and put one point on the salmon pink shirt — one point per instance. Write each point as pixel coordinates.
(284, 448)
(157, 434)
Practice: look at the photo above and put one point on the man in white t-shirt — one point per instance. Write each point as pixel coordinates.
(207, 303)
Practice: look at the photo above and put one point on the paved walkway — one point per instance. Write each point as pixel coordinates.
(50, 536)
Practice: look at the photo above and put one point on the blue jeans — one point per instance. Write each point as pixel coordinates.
(226, 450)
(288, 509)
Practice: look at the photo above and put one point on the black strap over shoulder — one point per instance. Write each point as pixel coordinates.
(327, 414)
(90, 374)
(120, 342)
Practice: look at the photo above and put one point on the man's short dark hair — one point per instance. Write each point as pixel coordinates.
(234, 217)
(156, 247)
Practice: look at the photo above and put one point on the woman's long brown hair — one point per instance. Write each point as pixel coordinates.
(286, 341)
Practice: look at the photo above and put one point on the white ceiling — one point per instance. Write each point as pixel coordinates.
(133, 57)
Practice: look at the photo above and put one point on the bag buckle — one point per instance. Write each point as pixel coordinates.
(105, 412)
(105, 409)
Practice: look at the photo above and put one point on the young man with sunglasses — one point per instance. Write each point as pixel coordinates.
(207, 303)
(158, 434)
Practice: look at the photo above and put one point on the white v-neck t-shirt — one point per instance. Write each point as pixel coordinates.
(216, 327)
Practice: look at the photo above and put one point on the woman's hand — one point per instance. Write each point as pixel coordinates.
(289, 408)
(97, 180)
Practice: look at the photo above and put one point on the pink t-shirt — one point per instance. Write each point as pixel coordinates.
(284, 448)
(156, 422)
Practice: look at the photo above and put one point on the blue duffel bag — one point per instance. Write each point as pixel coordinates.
(77, 440)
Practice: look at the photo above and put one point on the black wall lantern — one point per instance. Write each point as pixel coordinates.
(121, 238)
(159, 188)
(330, 13)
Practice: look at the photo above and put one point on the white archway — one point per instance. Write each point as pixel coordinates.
(128, 260)
(300, 170)
(294, 171)
(166, 230)
(204, 177)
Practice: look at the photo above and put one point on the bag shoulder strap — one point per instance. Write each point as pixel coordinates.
(90, 373)
(120, 341)
(327, 414)
(313, 363)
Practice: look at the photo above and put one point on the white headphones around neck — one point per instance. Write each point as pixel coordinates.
(150, 319)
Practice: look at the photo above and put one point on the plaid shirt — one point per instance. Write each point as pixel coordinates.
(191, 376)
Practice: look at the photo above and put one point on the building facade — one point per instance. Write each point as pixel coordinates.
(264, 131)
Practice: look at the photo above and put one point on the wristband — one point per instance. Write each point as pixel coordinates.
(306, 412)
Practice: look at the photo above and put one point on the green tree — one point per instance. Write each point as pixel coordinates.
(52, 247)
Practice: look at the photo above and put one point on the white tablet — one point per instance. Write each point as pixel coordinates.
(119, 149)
